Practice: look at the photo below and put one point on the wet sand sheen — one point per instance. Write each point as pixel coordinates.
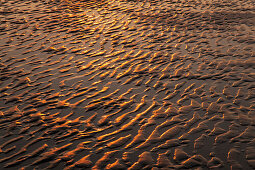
(127, 84)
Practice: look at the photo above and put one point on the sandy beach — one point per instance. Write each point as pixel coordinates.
(126, 84)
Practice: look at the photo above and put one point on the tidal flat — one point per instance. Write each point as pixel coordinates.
(127, 84)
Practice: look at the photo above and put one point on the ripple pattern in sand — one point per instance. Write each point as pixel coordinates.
(117, 84)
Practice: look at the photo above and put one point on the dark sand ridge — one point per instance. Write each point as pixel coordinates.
(127, 84)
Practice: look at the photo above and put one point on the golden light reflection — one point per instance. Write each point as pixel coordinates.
(126, 84)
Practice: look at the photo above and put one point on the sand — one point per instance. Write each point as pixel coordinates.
(156, 84)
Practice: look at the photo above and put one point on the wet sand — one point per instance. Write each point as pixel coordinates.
(155, 84)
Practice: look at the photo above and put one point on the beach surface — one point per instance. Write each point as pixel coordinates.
(155, 84)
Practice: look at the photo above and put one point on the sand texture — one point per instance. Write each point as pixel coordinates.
(148, 84)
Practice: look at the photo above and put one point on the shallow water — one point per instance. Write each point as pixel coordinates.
(127, 84)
